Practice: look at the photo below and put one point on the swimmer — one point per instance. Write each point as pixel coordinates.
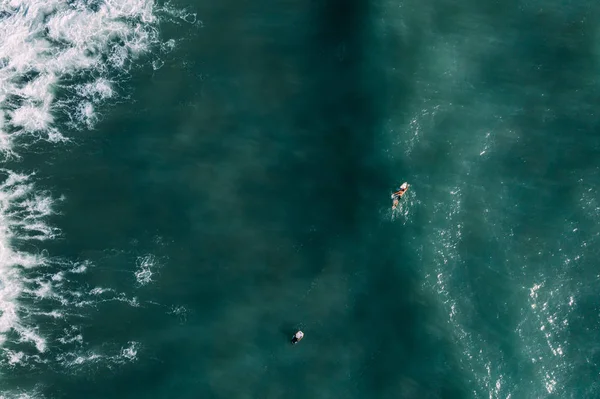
(297, 337)
(398, 194)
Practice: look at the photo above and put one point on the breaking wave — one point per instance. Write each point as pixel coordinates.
(60, 62)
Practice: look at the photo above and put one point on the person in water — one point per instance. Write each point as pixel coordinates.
(297, 337)
(398, 194)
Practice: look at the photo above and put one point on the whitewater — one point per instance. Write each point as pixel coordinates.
(60, 62)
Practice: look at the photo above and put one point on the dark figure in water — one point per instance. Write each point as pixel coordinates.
(297, 337)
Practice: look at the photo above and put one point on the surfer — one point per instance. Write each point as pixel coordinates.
(398, 194)
(297, 337)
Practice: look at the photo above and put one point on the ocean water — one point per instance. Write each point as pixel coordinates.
(185, 184)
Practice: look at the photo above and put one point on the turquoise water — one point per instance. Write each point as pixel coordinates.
(185, 185)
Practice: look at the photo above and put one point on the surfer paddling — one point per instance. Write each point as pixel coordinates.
(398, 194)
(297, 337)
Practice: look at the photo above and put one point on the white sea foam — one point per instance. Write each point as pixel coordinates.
(21, 395)
(46, 44)
(144, 269)
(130, 352)
(78, 360)
(18, 220)
(60, 63)
(180, 312)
